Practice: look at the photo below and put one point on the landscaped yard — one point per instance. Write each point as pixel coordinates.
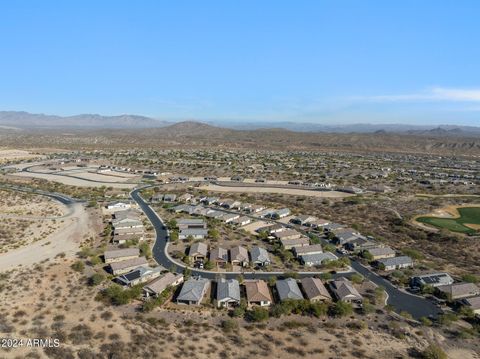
(468, 222)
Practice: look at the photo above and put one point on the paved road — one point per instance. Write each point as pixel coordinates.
(161, 243)
(417, 306)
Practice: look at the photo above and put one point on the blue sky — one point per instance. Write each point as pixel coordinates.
(310, 61)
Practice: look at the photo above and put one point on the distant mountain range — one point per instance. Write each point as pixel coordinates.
(28, 121)
(25, 120)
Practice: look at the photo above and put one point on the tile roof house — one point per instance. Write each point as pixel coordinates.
(219, 256)
(198, 251)
(121, 254)
(395, 263)
(190, 223)
(344, 290)
(459, 290)
(316, 259)
(314, 290)
(126, 222)
(228, 293)
(294, 243)
(287, 234)
(193, 291)
(258, 293)
(195, 233)
(381, 252)
(156, 287)
(259, 256)
(313, 249)
(239, 256)
(139, 275)
(473, 303)
(122, 267)
(288, 289)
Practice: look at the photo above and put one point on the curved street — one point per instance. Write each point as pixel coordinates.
(417, 306)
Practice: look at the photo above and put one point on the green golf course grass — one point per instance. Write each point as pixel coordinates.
(468, 215)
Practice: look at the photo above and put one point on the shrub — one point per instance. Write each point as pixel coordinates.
(229, 325)
(341, 309)
(96, 279)
(434, 351)
(257, 315)
(78, 266)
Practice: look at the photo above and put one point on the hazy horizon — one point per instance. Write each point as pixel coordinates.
(311, 61)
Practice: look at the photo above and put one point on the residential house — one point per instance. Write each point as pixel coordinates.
(313, 249)
(185, 208)
(121, 238)
(139, 275)
(332, 227)
(287, 234)
(126, 222)
(303, 220)
(316, 259)
(258, 293)
(259, 256)
(459, 290)
(193, 291)
(255, 208)
(381, 253)
(209, 200)
(186, 197)
(230, 204)
(343, 236)
(169, 197)
(283, 212)
(315, 290)
(118, 205)
(228, 293)
(239, 256)
(156, 198)
(194, 233)
(320, 222)
(156, 287)
(219, 256)
(271, 228)
(118, 233)
(214, 214)
(294, 243)
(344, 290)
(122, 267)
(288, 289)
(393, 263)
(198, 251)
(473, 303)
(190, 223)
(229, 217)
(431, 279)
(359, 244)
(242, 221)
(122, 254)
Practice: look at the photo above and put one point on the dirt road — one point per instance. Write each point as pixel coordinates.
(66, 240)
